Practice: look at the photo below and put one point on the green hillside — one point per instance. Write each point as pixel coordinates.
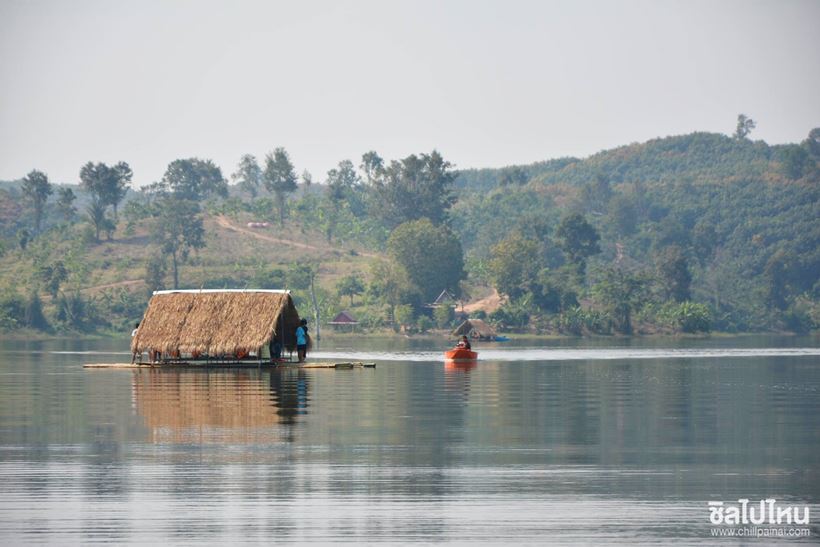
(686, 233)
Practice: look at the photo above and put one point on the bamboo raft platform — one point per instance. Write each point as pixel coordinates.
(216, 366)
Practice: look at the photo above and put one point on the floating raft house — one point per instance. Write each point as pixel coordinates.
(218, 326)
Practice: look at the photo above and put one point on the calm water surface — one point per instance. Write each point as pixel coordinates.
(613, 441)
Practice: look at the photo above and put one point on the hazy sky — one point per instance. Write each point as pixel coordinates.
(486, 83)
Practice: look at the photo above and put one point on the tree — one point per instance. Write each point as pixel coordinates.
(36, 190)
(340, 184)
(512, 176)
(23, 238)
(391, 284)
(117, 185)
(622, 214)
(413, 188)
(302, 275)
(431, 255)
(556, 289)
(704, 241)
(621, 292)
(795, 161)
(93, 180)
(350, 285)
(96, 215)
(674, 274)
(280, 178)
(744, 126)
(248, 175)
(53, 276)
(65, 202)
(107, 185)
(404, 315)
(178, 230)
(372, 166)
(777, 273)
(443, 316)
(513, 267)
(812, 143)
(194, 179)
(595, 194)
(307, 179)
(578, 239)
(155, 270)
(341, 180)
(33, 312)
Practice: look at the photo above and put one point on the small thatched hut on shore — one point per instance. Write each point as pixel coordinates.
(475, 328)
(222, 324)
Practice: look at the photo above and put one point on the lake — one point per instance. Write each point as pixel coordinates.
(589, 441)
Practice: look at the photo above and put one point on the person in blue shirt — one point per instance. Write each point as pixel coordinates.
(301, 340)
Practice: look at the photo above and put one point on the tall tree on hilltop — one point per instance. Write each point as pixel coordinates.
(248, 175)
(178, 229)
(36, 190)
(744, 127)
(195, 179)
(280, 178)
(414, 188)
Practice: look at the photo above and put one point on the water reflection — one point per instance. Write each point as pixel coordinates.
(586, 449)
(236, 406)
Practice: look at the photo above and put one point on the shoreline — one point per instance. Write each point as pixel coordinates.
(39, 336)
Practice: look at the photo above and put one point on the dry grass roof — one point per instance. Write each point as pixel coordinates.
(475, 327)
(216, 322)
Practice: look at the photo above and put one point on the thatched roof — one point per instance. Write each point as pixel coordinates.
(475, 328)
(216, 322)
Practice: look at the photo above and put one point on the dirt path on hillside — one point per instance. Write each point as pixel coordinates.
(126, 283)
(225, 223)
(487, 304)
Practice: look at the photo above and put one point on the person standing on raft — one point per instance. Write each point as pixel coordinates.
(302, 340)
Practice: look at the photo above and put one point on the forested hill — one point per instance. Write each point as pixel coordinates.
(708, 157)
(686, 233)
(742, 214)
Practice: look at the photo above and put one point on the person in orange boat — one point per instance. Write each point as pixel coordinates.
(464, 343)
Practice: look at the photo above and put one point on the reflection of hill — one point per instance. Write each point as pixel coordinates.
(220, 406)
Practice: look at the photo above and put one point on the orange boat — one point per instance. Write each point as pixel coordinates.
(460, 354)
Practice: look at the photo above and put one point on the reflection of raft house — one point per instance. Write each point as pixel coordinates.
(216, 325)
(475, 328)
